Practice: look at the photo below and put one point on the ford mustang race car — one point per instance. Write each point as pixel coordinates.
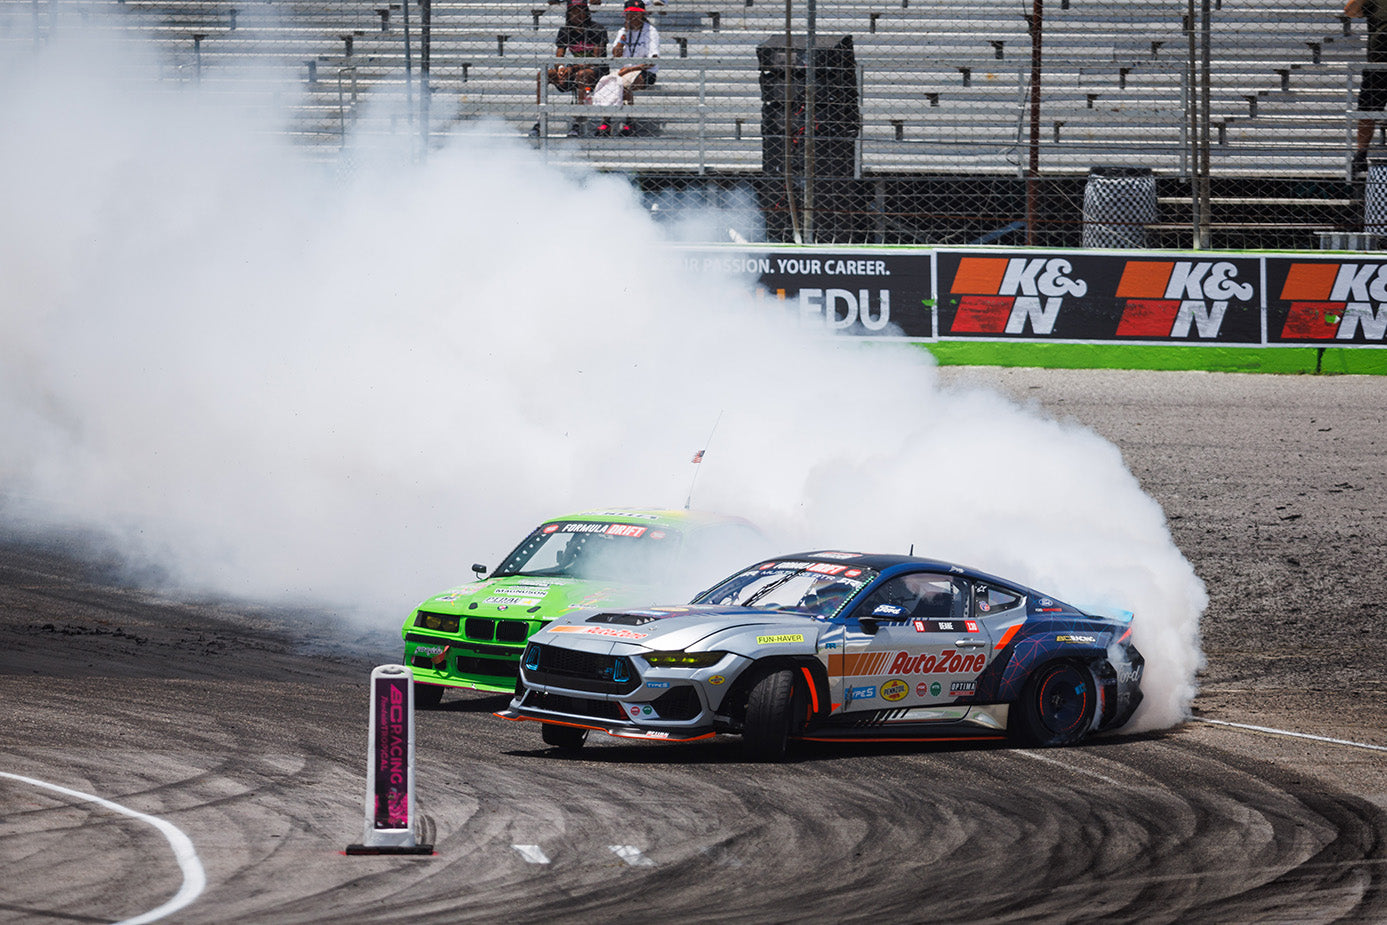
(835, 645)
(471, 636)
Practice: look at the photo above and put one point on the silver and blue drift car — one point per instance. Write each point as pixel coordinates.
(835, 645)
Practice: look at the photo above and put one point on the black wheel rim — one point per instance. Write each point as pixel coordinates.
(1064, 697)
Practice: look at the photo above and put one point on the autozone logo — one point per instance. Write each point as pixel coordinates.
(1001, 295)
(1170, 298)
(946, 662)
(1335, 301)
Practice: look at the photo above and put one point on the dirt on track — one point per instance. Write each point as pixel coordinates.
(244, 725)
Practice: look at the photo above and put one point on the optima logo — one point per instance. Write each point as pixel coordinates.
(1001, 295)
(1335, 301)
(1168, 298)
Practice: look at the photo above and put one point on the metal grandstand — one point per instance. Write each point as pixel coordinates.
(948, 144)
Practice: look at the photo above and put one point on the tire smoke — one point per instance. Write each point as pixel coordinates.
(277, 379)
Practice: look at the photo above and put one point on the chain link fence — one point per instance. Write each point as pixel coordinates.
(1102, 123)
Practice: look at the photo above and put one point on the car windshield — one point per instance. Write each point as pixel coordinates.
(819, 588)
(620, 552)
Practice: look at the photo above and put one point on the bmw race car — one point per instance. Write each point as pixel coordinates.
(471, 636)
(836, 645)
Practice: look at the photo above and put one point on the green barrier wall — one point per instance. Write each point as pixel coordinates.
(1285, 360)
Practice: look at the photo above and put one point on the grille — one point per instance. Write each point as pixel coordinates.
(512, 630)
(478, 628)
(494, 667)
(584, 671)
(575, 706)
(625, 619)
(678, 703)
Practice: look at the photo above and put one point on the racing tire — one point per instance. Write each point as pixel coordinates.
(770, 715)
(1056, 706)
(427, 696)
(568, 738)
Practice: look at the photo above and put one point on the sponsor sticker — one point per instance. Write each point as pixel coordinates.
(894, 690)
(862, 693)
(610, 632)
(428, 650)
(783, 637)
(717, 679)
(960, 688)
(1077, 640)
(838, 555)
(934, 688)
(948, 661)
(658, 685)
(625, 530)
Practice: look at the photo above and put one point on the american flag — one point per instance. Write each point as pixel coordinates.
(698, 457)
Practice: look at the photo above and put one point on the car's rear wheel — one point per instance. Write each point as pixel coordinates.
(770, 716)
(568, 738)
(1056, 705)
(427, 696)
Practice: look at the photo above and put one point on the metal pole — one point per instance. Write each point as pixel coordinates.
(1203, 238)
(425, 93)
(409, 64)
(1192, 112)
(1033, 169)
(810, 66)
(789, 178)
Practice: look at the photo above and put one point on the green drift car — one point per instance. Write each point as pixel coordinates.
(472, 636)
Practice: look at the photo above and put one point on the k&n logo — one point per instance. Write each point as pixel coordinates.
(1000, 295)
(1334, 301)
(1168, 298)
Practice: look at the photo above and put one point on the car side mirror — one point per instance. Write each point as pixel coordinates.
(478, 569)
(868, 624)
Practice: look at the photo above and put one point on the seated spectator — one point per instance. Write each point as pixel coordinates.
(636, 39)
(585, 38)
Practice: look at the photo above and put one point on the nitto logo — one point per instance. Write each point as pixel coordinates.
(1170, 298)
(1001, 295)
(1335, 301)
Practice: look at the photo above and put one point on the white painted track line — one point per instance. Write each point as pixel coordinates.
(631, 855)
(1293, 735)
(533, 854)
(194, 878)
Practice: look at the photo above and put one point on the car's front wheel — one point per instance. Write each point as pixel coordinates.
(568, 738)
(427, 696)
(1056, 705)
(770, 716)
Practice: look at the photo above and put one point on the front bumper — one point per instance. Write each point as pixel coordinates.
(620, 694)
(450, 663)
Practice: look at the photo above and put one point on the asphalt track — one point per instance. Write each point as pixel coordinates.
(243, 727)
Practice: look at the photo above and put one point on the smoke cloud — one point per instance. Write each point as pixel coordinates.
(277, 379)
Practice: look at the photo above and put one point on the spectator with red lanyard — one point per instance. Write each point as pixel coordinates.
(636, 39)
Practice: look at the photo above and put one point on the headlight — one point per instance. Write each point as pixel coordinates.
(683, 659)
(438, 622)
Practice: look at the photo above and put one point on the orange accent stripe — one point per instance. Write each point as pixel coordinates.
(902, 739)
(1309, 282)
(1144, 279)
(813, 691)
(980, 275)
(1006, 637)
